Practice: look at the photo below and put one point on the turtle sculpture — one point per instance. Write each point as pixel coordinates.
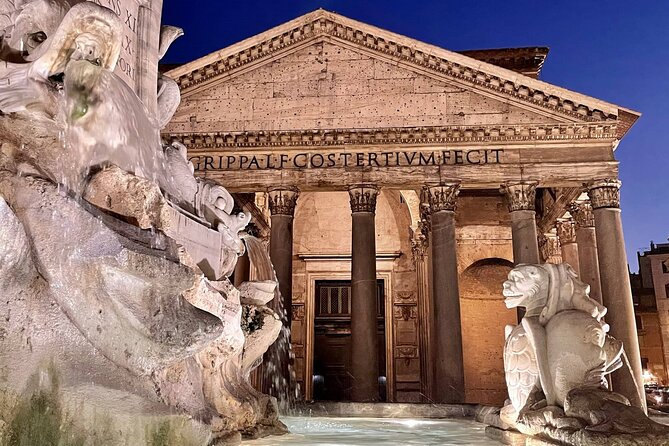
(557, 361)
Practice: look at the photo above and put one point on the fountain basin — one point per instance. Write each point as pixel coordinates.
(340, 431)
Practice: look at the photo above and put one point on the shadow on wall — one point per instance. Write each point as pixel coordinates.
(484, 317)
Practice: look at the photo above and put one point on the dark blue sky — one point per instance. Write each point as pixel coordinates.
(615, 50)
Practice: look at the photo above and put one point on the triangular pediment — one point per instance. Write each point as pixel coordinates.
(327, 85)
(410, 65)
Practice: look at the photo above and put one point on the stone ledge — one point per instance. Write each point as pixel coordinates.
(386, 410)
(514, 438)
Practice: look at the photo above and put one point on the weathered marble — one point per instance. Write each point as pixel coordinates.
(557, 362)
(119, 325)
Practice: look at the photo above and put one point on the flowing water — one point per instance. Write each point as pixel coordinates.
(278, 370)
(132, 142)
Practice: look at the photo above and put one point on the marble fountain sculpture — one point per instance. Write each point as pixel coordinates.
(557, 361)
(118, 324)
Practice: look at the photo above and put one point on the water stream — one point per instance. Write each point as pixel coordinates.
(93, 94)
(278, 371)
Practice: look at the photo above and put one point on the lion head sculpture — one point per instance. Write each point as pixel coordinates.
(545, 290)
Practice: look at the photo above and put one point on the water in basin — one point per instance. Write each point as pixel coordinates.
(328, 431)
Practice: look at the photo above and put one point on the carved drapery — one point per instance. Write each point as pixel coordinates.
(363, 197)
(604, 193)
(520, 196)
(282, 200)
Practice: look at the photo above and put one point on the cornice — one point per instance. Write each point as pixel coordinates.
(321, 24)
(393, 135)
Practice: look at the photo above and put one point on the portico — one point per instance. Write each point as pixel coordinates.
(405, 180)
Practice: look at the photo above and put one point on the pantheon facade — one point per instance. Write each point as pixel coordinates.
(397, 183)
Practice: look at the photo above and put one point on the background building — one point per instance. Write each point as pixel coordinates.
(650, 288)
(397, 184)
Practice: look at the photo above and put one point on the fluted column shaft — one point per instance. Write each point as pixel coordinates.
(616, 289)
(448, 365)
(364, 339)
(586, 240)
(567, 235)
(521, 201)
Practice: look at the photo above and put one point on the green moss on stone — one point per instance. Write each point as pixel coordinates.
(37, 419)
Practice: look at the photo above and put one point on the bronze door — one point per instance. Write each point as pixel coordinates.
(332, 348)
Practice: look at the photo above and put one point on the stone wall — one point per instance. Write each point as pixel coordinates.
(485, 256)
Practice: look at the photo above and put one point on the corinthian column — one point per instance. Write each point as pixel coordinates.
(448, 368)
(277, 380)
(364, 339)
(566, 231)
(521, 201)
(282, 201)
(616, 290)
(586, 240)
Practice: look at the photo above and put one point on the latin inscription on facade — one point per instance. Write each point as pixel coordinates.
(129, 11)
(307, 160)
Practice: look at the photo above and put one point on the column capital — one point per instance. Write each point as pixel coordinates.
(604, 193)
(441, 197)
(420, 240)
(520, 196)
(582, 213)
(363, 197)
(566, 231)
(549, 247)
(282, 200)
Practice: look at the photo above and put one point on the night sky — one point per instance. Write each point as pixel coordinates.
(614, 50)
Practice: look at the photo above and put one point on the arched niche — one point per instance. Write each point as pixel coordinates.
(484, 317)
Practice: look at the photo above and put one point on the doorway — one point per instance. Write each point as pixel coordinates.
(332, 340)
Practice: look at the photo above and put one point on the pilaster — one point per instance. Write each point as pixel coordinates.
(566, 232)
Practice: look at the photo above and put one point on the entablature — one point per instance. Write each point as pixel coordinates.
(393, 136)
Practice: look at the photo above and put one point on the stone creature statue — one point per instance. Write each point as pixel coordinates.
(547, 291)
(169, 95)
(79, 46)
(558, 358)
(107, 321)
